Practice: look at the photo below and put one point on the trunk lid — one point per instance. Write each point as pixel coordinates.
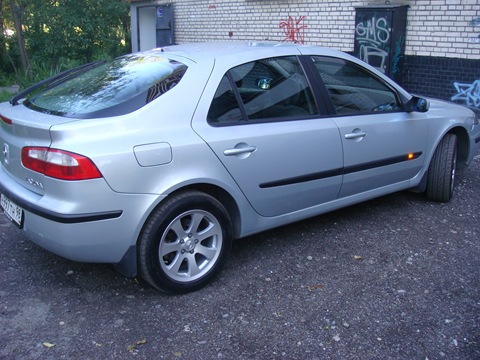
(22, 127)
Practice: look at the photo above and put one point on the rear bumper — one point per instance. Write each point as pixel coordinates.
(103, 231)
(56, 216)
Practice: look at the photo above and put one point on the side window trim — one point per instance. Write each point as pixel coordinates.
(235, 91)
(319, 89)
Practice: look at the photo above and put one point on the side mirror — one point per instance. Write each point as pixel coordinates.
(417, 104)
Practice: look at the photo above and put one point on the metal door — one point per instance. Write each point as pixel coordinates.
(164, 25)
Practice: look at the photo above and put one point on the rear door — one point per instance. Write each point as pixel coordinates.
(263, 124)
(382, 144)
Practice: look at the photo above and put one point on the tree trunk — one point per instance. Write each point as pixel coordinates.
(17, 18)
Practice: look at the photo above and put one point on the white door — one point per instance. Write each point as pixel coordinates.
(147, 28)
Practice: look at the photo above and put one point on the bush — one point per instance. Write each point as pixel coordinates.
(5, 96)
(60, 35)
(39, 72)
(7, 79)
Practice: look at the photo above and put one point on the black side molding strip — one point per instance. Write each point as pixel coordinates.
(303, 178)
(341, 171)
(380, 163)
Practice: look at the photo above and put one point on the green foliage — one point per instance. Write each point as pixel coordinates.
(5, 96)
(82, 30)
(39, 71)
(6, 79)
(63, 34)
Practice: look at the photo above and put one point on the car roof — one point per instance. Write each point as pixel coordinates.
(206, 51)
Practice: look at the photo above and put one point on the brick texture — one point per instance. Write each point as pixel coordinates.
(437, 76)
(439, 28)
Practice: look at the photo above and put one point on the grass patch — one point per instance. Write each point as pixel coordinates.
(5, 96)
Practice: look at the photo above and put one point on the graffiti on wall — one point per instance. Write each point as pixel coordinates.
(475, 22)
(373, 35)
(468, 94)
(294, 29)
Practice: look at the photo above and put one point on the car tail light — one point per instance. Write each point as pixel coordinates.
(6, 120)
(59, 164)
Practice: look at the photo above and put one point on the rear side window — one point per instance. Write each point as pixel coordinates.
(274, 88)
(352, 89)
(225, 107)
(118, 87)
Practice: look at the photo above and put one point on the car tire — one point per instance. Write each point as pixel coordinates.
(442, 170)
(184, 243)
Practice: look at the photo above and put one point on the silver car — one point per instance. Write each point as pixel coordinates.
(157, 160)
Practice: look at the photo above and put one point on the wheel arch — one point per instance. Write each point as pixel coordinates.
(463, 145)
(222, 196)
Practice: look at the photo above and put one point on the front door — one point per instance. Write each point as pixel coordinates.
(382, 144)
(381, 150)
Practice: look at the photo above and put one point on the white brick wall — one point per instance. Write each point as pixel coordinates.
(442, 28)
(434, 28)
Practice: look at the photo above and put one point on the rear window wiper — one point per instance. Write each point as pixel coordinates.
(58, 77)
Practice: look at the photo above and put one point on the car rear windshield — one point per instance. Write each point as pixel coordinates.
(113, 88)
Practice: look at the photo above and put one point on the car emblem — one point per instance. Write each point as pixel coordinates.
(6, 152)
(34, 182)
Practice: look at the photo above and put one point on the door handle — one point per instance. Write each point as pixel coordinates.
(356, 135)
(239, 151)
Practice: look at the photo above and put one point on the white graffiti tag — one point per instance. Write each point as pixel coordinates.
(372, 35)
(375, 31)
(468, 93)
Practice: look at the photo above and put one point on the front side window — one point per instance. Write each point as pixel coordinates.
(120, 86)
(274, 88)
(352, 89)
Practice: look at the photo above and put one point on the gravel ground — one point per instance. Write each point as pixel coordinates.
(393, 278)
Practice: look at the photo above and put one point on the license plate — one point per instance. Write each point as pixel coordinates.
(12, 210)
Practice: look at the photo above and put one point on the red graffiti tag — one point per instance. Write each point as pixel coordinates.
(294, 29)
